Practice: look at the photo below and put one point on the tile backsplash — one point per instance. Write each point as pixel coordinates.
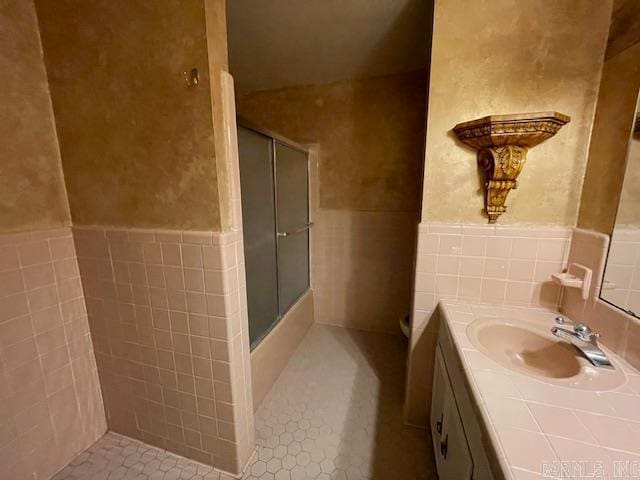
(504, 265)
(50, 403)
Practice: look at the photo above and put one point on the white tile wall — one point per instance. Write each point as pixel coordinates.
(503, 265)
(622, 274)
(246, 446)
(486, 263)
(361, 268)
(168, 321)
(50, 402)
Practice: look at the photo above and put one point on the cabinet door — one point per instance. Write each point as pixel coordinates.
(453, 459)
(438, 393)
(457, 464)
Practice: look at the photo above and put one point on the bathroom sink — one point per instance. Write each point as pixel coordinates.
(530, 348)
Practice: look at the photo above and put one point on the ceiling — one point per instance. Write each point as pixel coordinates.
(281, 43)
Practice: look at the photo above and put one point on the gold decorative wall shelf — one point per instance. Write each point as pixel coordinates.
(502, 142)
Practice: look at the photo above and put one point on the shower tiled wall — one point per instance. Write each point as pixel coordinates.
(167, 311)
(488, 263)
(361, 268)
(50, 403)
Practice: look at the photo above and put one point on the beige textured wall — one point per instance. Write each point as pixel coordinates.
(137, 144)
(31, 181)
(216, 21)
(610, 137)
(370, 134)
(625, 26)
(513, 56)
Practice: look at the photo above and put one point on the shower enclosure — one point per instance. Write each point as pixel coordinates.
(274, 177)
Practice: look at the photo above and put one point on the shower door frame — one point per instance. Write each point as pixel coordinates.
(277, 138)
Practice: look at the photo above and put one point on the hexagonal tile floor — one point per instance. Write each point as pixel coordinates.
(115, 457)
(334, 413)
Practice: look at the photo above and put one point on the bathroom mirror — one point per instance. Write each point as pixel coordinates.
(621, 283)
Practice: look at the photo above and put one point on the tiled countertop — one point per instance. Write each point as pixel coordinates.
(532, 424)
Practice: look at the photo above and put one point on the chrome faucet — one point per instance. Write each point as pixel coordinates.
(584, 339)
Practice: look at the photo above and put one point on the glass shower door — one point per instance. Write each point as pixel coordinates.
(275, 213)
(258, 218)
(292, 219)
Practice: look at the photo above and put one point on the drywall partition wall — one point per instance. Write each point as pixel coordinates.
(216, 29)
(551, 64)
(137, 142)
(168, 316)
(167, 307)
(31, 182)
(370, 137)
(242, 361)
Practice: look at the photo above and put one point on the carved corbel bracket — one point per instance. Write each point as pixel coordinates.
(502, 165)
(502, 142)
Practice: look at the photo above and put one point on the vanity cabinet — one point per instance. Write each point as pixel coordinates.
(453, 458)
(456, 433)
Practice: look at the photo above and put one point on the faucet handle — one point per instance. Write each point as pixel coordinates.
(582, 329)
(585, 332)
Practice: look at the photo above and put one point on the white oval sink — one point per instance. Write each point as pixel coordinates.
(531, 349)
